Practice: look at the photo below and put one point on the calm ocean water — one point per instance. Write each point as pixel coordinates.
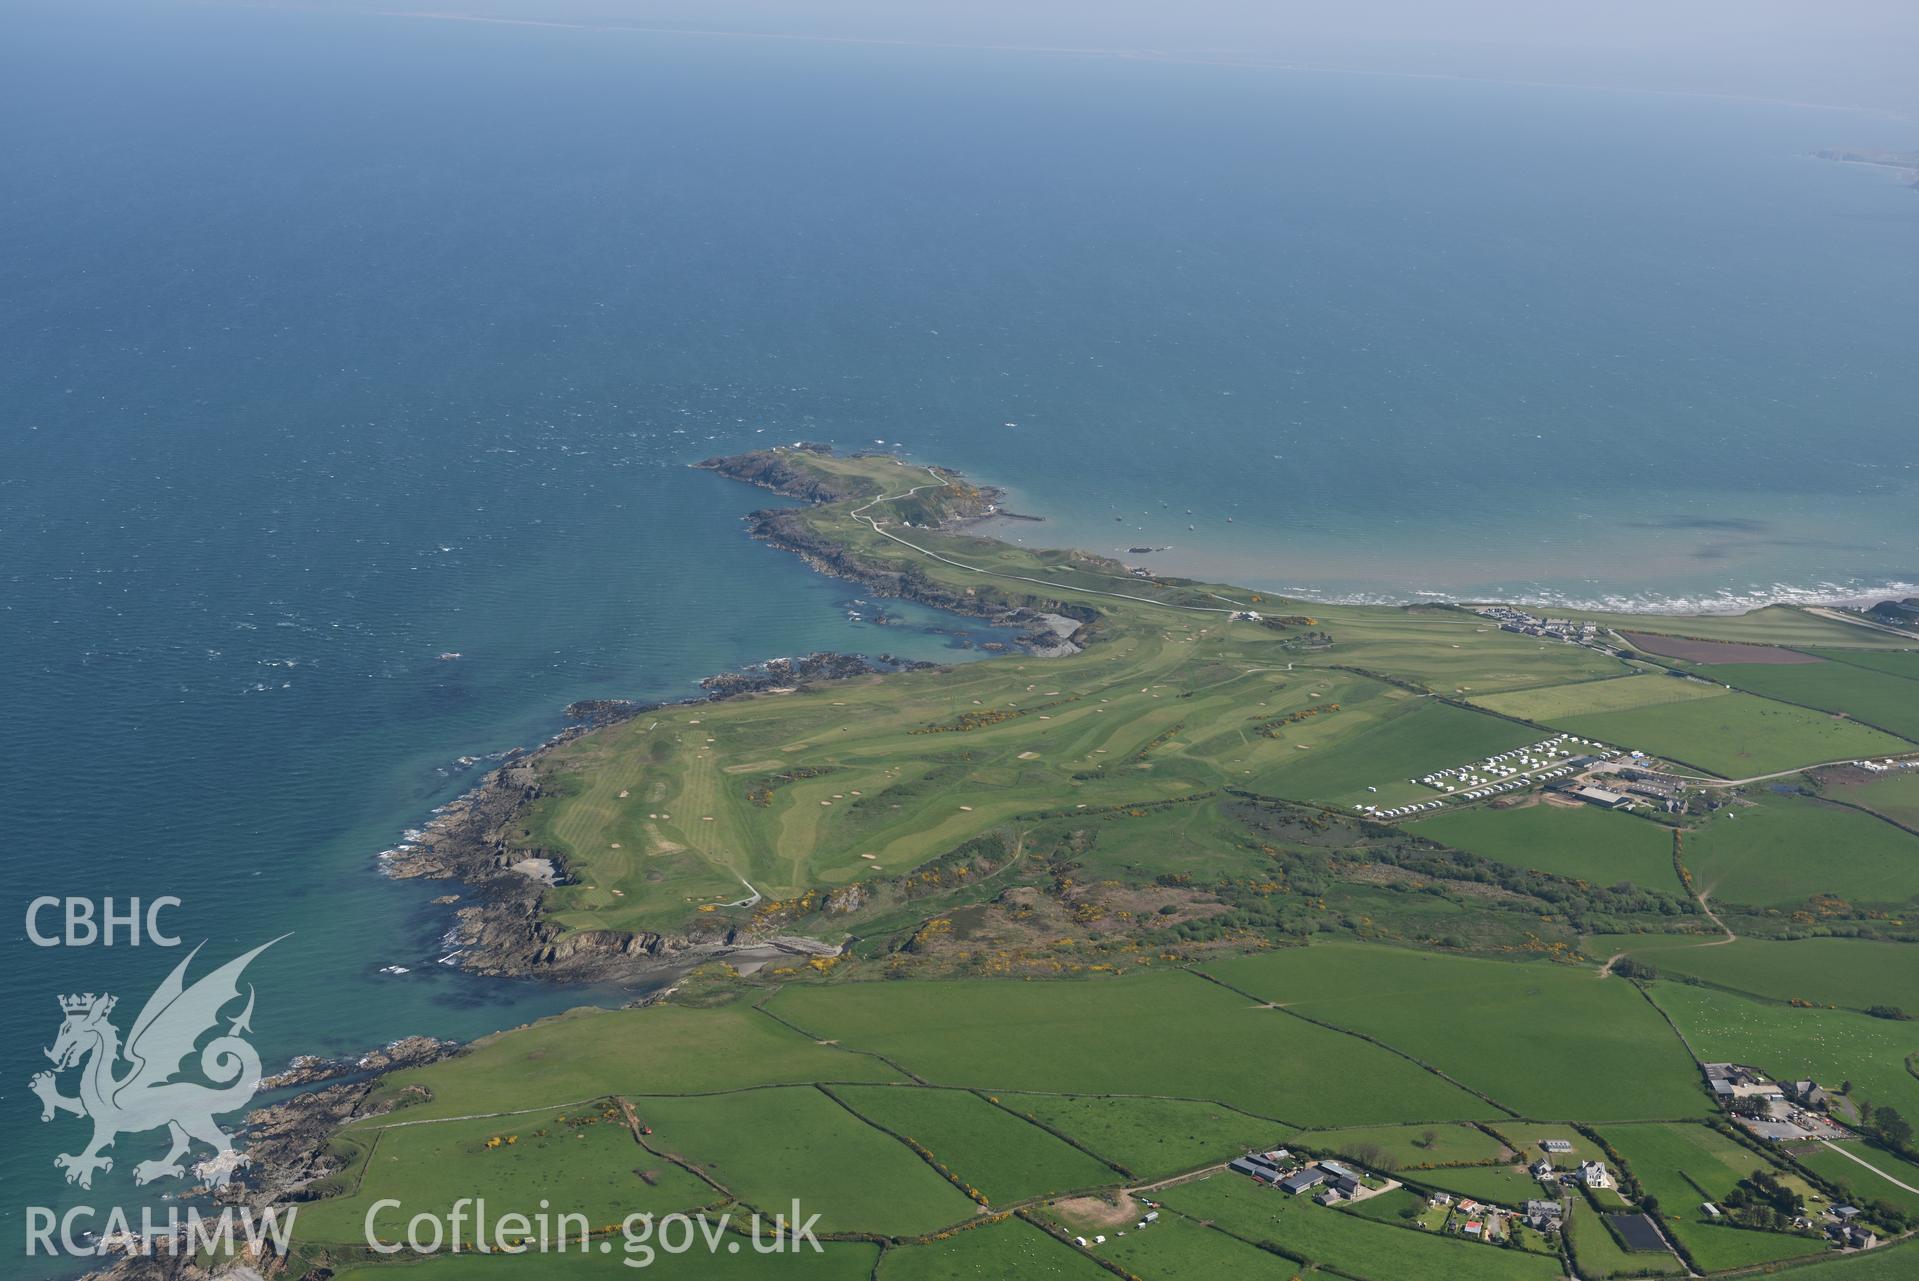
(331, 344)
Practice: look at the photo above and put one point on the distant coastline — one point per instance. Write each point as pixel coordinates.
(1903, 163)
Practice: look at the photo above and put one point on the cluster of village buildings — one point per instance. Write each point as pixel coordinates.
(1518, 620)
(1774, 1111)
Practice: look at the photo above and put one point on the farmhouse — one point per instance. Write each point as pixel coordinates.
(1854, 1235)
(1542, 1169)
(1344, 1179)
(1594, 1174)
(1544, 1215)
(1808, 1093)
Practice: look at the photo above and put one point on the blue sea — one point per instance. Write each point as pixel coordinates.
(331, 344)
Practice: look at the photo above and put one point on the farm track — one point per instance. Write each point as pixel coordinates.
(1784, 773)
(1854, 1157)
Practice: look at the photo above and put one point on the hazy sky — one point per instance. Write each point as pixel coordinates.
(1841, 52)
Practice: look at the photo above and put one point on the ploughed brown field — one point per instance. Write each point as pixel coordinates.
(1705, 651)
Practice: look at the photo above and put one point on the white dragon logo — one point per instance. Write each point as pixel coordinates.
(145, 1096)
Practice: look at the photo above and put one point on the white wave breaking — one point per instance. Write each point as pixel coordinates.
(1724, 600)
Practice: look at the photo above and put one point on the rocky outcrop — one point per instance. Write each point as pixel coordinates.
(289, 1153)
(797, 673)
(312, 1069)
(777, 471)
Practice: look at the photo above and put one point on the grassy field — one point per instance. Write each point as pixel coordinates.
(576, 1158)
(1599, 846)
(1830, 1046)
(1168, 1034)
(1685, 1165)
(1453, 652)
(588, 1053)
(1896, 796)
(1197, 839)
(1903, 663)
(1500, 1184)
(1773, 625)
(1407, 738)
(1865, 1185)
(1007, 1249)
(986, 1147)
(1888, 1263)
(1179, 1250)
(770, 1146)
(1627, 693)
(1152, 1137)
(1853, 973)
(1461, 1014)
(1888, 701)
(1404, 1147)
(1356, 1246)
(1786, 849)
(1735, 735)
(1389, 1207)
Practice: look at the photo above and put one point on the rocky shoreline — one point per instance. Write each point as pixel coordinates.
(1041, 631)
(501, 932)
(288, 1150)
